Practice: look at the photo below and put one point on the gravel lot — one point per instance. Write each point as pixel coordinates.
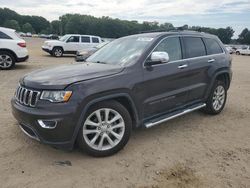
(195, 150)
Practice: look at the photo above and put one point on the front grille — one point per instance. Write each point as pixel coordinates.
(26, 96)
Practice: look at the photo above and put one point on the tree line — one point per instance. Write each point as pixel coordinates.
(104, 26)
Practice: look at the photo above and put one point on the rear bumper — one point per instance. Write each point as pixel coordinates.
(60, 137)
(22, 59)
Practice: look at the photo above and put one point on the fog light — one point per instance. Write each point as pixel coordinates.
(47, 124)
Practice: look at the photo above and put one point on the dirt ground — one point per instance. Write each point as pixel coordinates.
(195, 150)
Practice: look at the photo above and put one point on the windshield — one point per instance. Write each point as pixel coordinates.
(121, 51)
(64, 38)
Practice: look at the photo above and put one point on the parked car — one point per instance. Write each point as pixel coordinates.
(70, 44)
(136, 81)
(53, 36)
(84, 54)
(21, 34)
(12, 48)
(243, 51)
(230, 49)
(28, 35)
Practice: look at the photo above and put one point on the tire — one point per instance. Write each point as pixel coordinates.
(57, 52)
(237, 53)
(211, 108)
(7, 60)
(92, 143)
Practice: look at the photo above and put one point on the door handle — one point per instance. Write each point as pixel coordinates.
(182, 66)
(211, 60)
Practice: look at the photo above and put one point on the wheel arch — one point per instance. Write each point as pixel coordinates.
(58, 47)
(10, 51)
(223, 75)
(123, 98)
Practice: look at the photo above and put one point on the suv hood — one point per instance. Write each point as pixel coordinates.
(60, 77)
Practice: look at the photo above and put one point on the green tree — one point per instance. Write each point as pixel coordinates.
(244, 37)
(27, 27)
(13, 24)
(56, 27)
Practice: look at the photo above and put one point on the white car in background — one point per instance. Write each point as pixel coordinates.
(70, 44)
(229, 49)
(12, 48)
(244, 51)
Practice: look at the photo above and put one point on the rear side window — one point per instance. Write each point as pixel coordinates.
(172, 46)
(212, 46)
(73, 39)
(194, 47)
(95, 40)
(85, 39)
(4, 36)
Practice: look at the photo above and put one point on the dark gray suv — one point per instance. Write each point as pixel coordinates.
(135, 81)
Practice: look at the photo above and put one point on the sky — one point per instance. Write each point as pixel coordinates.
(207, 13)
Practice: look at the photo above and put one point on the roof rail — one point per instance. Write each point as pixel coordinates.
(175, 29)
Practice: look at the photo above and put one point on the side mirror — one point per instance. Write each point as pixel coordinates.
(158, 58)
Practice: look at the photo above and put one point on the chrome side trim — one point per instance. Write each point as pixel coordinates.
(33, 137)
(151, 124)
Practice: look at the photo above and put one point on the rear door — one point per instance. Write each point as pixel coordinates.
(201, 58)
(85, 42)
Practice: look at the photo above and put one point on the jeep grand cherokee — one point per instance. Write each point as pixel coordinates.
(135, 81)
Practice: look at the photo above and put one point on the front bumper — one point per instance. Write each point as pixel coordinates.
(46, 49)
(61, 136)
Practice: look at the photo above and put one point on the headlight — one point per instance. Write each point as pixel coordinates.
(56, 96)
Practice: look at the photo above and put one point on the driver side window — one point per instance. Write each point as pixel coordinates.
(74, 39)
(172, 46)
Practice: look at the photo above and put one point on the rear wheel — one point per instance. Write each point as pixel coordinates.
(7, 60)
(217, 98)
(57, 51)
(105, 130)
(237, 53)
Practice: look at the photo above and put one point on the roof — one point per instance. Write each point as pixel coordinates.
(6, 29)
(166, 33)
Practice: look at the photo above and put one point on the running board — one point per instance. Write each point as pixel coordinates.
(173, 115)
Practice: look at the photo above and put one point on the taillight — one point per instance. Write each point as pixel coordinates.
(22, 44)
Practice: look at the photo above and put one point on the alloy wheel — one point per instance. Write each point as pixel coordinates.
(103, 129)
(218, 97)
(5, 61)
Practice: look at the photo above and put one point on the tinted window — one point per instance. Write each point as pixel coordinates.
(86, 39)
(4, 36)
(172, 46)
(194, 47)
(73, 39)
(95, 40)
(212, 47)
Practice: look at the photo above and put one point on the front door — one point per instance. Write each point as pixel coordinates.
(72, 44)
(165, 84)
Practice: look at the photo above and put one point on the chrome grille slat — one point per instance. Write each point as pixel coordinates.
(26, 96)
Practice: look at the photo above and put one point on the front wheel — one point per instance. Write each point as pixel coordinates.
(105, 130)
(57, 51)
(237, 53)
(217, 98)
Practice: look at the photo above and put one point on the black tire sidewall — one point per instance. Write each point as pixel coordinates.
(128, 127)
(12, 58)
(209, 108)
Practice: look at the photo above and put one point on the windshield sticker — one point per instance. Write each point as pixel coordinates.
(145, 39)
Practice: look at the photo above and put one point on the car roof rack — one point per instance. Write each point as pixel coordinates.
(175, 29)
